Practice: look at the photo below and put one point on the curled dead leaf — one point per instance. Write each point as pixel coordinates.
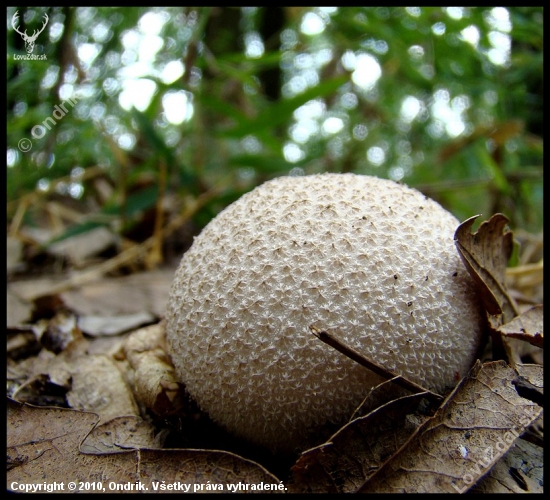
(155, 381)
(527, 326)
(485, 255)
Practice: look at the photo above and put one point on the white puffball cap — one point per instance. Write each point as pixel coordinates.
(369, 259)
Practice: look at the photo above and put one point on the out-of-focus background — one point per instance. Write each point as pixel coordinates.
(129, 119)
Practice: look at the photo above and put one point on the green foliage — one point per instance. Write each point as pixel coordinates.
(445, 99)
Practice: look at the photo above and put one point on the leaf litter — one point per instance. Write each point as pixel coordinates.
(485, 437)
(468, 434)
(45, 443)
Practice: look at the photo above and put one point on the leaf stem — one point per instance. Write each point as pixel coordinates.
(330, 340)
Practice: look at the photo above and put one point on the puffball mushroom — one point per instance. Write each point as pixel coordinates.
(372, 260)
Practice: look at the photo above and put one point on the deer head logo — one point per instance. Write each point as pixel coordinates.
(29, 40)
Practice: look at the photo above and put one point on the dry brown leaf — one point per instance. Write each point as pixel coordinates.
(527, 326)
(357, 450)
(381, 394)
(535, 433)
(471, 431)
(140, 292)
(14, 254)
(98, 386)
(60, 332)
(527, 281)
(78, 249)
(529, 384)
(41, 390)
(519, 471)
(532, 373)
(121, 434)
(155, 381)
(108, 346)
(21, 342)
(105, 324)
(485, 255)
(92, 382)
(31, 289)
(21, 372)
(528, 275)
(18, 310)
(43, 448)
(205, 471)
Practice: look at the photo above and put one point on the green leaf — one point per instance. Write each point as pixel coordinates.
(265, 164)
(494, 170)
(148, 131)
(281, 111)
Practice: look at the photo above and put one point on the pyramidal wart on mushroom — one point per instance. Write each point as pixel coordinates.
(371, 259)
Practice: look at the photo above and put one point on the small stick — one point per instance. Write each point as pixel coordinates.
(328, 339)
